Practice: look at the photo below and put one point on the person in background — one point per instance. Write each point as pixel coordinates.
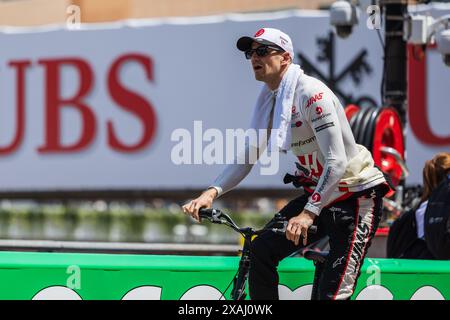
(407, 234)
(434, 171)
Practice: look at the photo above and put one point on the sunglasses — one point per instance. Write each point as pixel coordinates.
(261, 51)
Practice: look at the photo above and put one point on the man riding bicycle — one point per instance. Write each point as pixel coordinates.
(343, 196)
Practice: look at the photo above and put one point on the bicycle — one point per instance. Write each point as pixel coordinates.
(278, 225)
(314, 252)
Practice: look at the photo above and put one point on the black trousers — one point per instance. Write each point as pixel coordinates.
(350, 225)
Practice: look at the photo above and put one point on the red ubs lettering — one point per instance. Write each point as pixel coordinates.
(126, 99)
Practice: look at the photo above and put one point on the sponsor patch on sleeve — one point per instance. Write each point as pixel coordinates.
(324, 126)
(314, 99)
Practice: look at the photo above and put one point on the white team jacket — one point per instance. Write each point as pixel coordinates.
(323, 142)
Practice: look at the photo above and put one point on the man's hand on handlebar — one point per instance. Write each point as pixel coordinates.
(298, 226)
(205, 200)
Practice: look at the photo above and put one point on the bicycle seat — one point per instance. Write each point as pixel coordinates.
(316, 256)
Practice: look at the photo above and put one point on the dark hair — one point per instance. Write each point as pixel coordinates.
(434, 172)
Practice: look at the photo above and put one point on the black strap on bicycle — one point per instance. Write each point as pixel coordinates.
(289, 178)
(298, 181)
(387, 178)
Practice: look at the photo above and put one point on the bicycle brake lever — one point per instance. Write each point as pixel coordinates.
(282, 231)
(213, 215)
(216, 215)
(302, 169)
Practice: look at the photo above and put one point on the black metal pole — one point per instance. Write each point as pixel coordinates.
(395, 63)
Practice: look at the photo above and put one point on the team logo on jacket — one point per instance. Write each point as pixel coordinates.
(315, 197)
(318, 111)
(320, 114)
(303, 142)
(294, 112)
(314, 99)
(296, 124)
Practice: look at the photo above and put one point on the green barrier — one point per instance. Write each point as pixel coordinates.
(30, 275)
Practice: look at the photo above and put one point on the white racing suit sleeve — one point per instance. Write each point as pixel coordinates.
(234, 173)
(324, 121)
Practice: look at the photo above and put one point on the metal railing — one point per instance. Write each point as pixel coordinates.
(118, 247)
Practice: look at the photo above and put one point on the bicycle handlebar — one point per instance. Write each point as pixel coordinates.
(278, 226)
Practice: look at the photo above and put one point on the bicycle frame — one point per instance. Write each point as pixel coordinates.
(277, 225)
(241, 278)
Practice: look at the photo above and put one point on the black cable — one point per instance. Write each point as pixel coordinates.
(383, 74)
(232, 280)
(380, 38)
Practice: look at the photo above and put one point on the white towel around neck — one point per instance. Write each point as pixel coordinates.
(283, 109)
